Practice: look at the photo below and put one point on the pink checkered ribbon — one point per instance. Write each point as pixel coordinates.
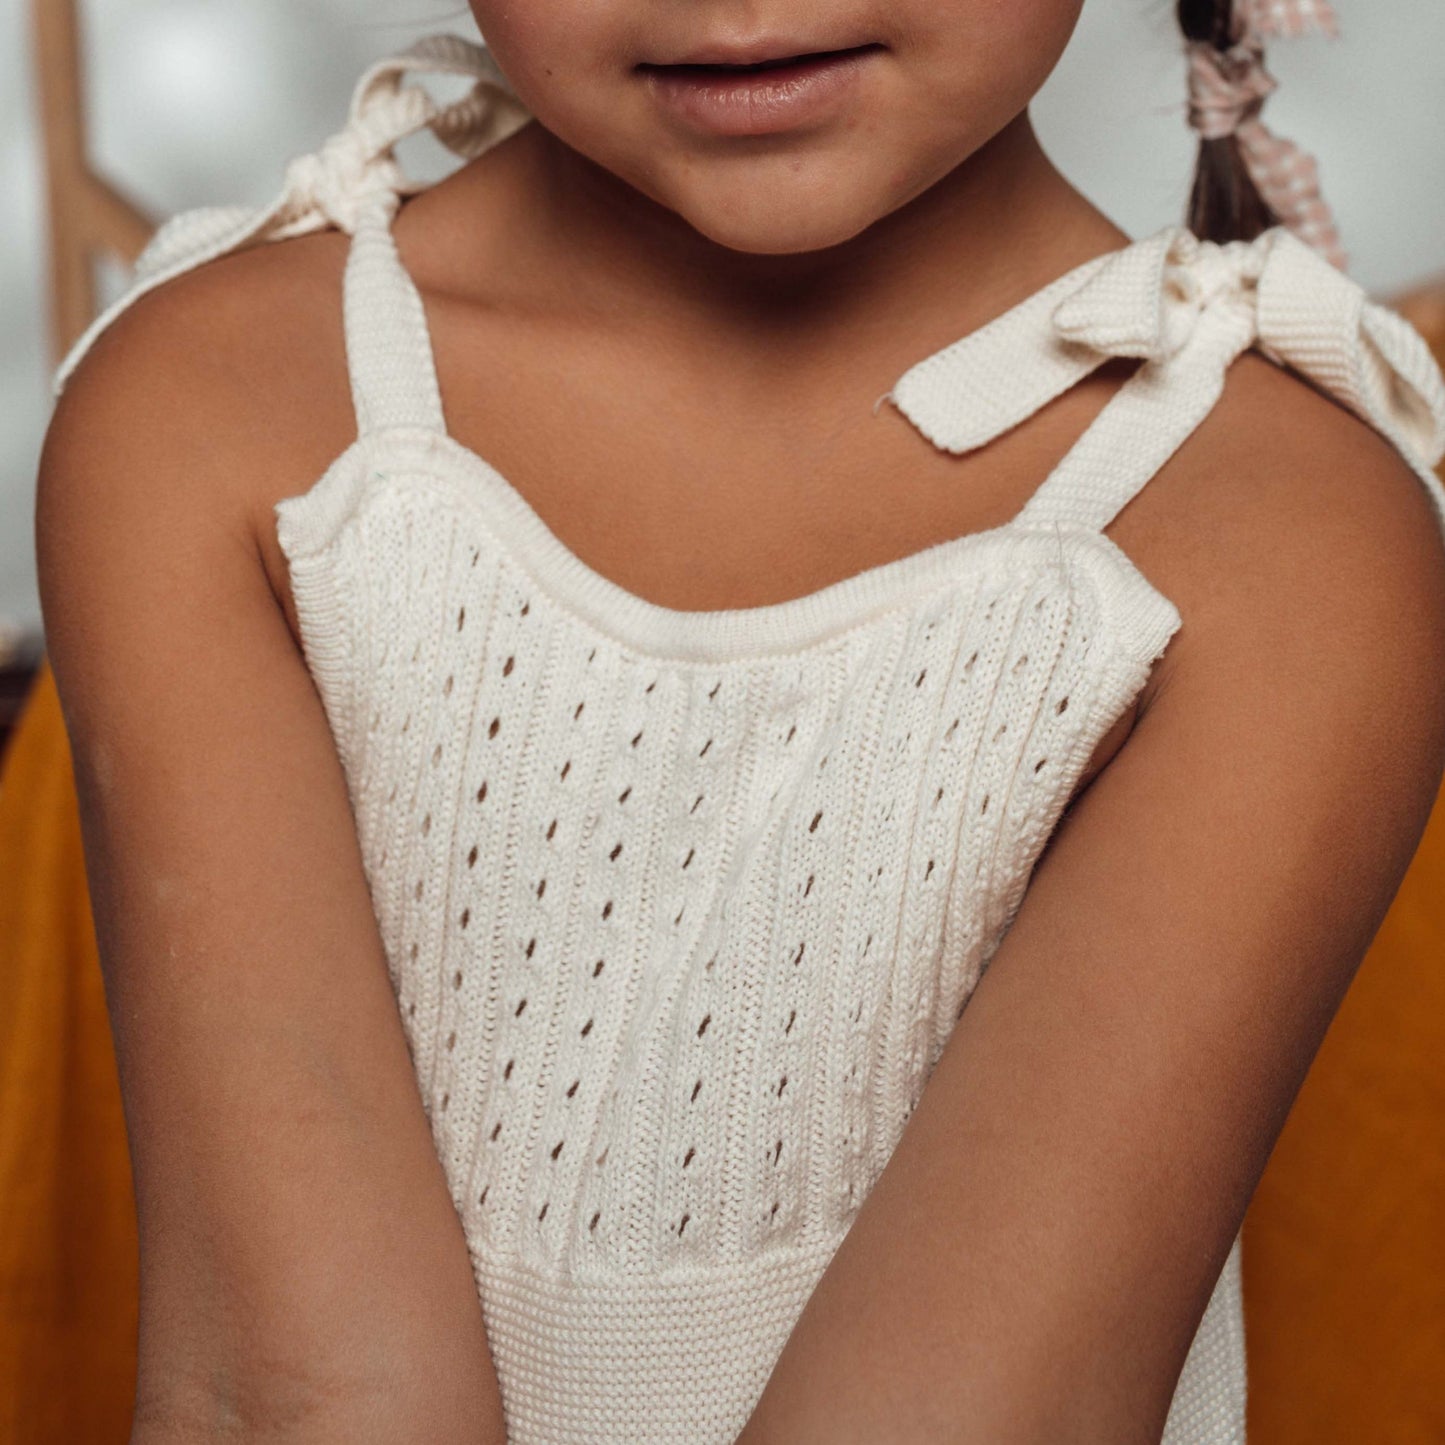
(1227, 90)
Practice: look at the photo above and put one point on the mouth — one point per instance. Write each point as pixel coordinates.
(755, 90)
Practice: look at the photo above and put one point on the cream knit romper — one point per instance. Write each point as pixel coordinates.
(681, 907)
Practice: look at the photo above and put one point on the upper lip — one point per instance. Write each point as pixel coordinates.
(751, 52)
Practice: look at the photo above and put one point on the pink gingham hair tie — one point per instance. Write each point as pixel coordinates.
(1227, 90)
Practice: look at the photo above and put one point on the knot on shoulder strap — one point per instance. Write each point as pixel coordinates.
(1280, 294)
(1147, 299)
(339, 181)
(357, 166)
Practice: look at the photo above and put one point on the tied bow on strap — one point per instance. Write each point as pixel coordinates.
(1227, 90)
(1172, 293)
(353, 169)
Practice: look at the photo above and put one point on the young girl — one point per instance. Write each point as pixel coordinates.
(575, 671)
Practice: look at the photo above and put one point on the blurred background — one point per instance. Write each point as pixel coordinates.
(201, 102)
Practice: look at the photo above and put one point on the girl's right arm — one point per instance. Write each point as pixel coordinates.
(303, 1271)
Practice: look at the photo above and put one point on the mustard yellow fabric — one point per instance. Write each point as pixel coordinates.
(68, 1265)
(1343, 1257)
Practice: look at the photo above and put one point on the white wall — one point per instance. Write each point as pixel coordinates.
(199, 102)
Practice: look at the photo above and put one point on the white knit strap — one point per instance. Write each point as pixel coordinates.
(1144, 423)
(990, 380)
(388, 343)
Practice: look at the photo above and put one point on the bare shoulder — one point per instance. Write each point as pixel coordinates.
(208, 399)
(1293, 537)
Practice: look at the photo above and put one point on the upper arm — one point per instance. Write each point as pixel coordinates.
(302, 1264)
(1036, 1257)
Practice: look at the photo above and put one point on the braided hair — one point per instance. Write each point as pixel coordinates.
(1224, 203)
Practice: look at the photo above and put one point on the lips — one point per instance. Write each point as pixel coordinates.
(754, 92)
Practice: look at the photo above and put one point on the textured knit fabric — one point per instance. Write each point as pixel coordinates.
(681, 907)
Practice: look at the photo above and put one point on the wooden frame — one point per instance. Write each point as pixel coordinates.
(86, 214)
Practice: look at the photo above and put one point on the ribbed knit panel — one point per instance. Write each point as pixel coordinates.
(681, 908)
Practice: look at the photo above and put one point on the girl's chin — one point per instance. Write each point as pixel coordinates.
(766, 214)
(775, 240)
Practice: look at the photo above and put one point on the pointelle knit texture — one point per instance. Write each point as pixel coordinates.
(680, 907)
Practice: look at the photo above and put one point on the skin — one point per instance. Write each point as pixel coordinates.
(1138, 1039)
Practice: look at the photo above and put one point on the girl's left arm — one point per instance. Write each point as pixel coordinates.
(1033, 1262)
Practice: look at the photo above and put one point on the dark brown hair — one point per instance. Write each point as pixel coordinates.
(1224, 204)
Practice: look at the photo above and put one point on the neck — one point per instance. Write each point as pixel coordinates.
(996, 228)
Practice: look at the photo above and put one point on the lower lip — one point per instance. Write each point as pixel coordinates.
(757, 102)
